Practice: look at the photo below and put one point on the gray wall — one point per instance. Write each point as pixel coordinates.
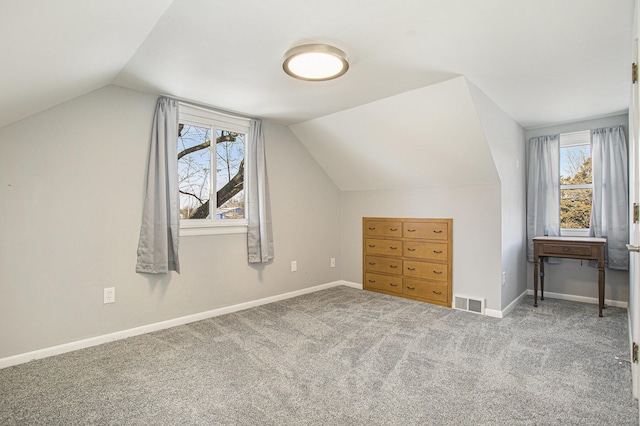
(71, 189)
(506, 142)
(574, 277)
(475, 210)
(488, 220)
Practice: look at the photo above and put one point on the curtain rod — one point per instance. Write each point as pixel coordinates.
(210, 108)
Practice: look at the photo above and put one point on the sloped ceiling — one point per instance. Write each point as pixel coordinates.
(53, 51)
(542, 61)
(426, 137)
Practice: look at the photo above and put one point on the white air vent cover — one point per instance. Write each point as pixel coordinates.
(470, 304)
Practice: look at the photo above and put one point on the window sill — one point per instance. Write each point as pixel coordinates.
(218, 229)
(572, 232)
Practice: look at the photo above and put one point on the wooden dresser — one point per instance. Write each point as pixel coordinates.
(408, 257)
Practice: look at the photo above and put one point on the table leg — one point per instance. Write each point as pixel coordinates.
(600, 289)
(535, 282)
(542, 279)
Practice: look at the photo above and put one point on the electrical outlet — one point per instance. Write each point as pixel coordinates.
(294, 266)
(333, 262)
(504, 277)
(110, 295)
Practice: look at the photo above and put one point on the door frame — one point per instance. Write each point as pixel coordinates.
(634, 198)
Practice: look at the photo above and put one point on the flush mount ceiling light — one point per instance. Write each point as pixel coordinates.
(315, 62)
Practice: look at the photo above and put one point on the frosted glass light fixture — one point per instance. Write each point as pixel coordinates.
(315, 62)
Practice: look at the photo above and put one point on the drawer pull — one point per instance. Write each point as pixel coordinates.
(411, 269)
(372, 245)
(411, 230)
(393, 229)
(437, 251)
(393, 248)
(372, 228)
(410, 249)
(437, 231)
(393, 266)
(410, 288)
(372, 263)
(437, 292)
(372, 281)
(393, 285)
(437, 272)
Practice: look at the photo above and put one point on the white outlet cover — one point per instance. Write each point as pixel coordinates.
(109, 295)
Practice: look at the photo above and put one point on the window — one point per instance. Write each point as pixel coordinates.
(576, 183)
(211, 157)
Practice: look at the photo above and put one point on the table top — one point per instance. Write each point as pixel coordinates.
(572, 239)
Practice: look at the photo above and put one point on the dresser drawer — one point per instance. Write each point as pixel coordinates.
(574, 250)
(383, 282)
(430, 271)
(426, 230)
(383, 264)
(388, 247)
(382, 229)
(422, 250)
(426, 290)
(408, 257)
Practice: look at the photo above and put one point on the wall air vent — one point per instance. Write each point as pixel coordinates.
(469, 304)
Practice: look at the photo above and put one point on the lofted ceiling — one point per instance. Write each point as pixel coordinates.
(543, 61)
(408, 141)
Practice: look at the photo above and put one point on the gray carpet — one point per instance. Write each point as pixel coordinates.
(342, 357)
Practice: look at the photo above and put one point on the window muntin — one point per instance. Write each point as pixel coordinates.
(202, 206)
(576, 183)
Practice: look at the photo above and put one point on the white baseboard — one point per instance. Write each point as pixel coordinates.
(493, 313)
(350, 284)
(529, 292)
(584, 299)
(515, 303)
(98, 340)
(503, 313)
(118, 335)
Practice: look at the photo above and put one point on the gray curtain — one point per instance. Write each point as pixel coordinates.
(609, 211)
(259, 234)
(158, 243)
(543, 189)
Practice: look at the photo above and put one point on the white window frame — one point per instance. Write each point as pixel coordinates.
(578, 138)
(202, 117)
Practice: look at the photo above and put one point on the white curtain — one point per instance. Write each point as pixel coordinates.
(158, 243)
(609, 211)
(543, 189)
(259, 235)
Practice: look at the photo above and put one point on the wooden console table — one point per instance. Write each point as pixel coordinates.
(585, 248)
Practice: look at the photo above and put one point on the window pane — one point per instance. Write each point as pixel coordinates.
(194, 168)
(575, 208)
(575, 165)
(230, 174)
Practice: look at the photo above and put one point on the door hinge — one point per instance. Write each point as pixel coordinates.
(636, 213)
(635, 353)
(634, 73)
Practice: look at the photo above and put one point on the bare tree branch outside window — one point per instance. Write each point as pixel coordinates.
(195, 172)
